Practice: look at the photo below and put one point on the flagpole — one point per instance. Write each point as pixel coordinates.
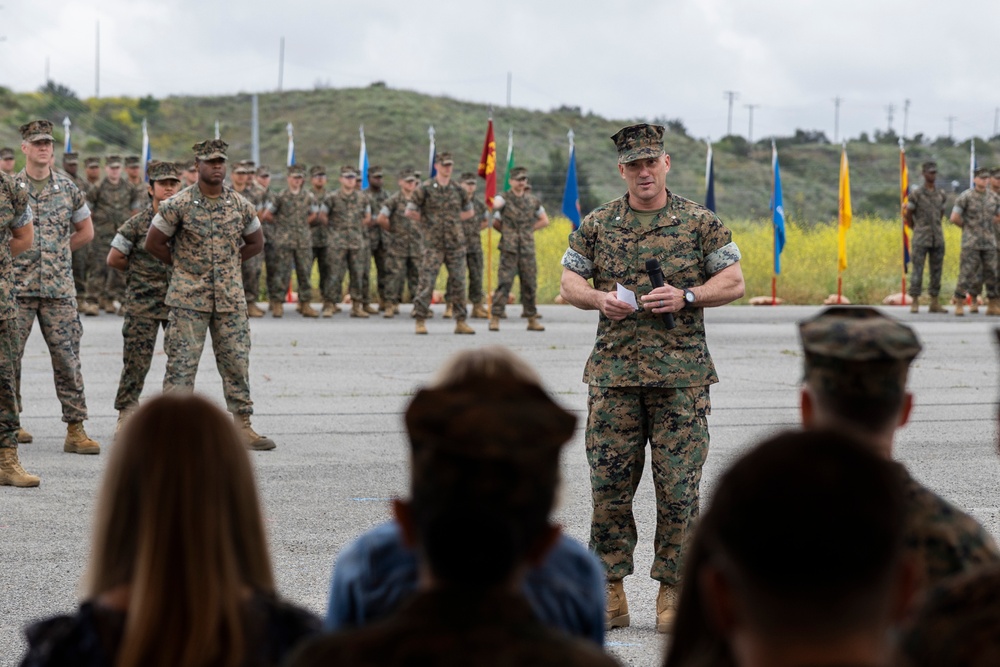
(903, 187)
(489, 240)
(774, 234)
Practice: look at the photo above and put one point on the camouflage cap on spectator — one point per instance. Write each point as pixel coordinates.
(518, 173)
(189, 165)
(71, 158)
(297, 170)
(981, 172)
(263, 170)
(467, 177)
(6, 153)
(348, 171)
(375, 171)
(113, 160)
(317, 170)
(213, 149)
(444, 159)
(245, 167)
(995, 172)
(857, 351)
(930, 165)
(92, 162)
(36, 130)
(163, 171)
(133, 161)
(638, 142)
(500, 439)
(407, 174)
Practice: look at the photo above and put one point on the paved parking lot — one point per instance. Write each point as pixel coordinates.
(331, 394)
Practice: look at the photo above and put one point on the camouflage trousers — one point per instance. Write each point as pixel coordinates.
(474, 260)
(10, 421)
(401, 269)
(381, 256)
(98, 271)
(354, 262)
(620, 421)
(323, 256)
(250, 270)
(520, 264)
(280, 262)
(139, 337)
(80, 271)
(454, 261)
(976, 267)
(60, 324)
(935, 258)
(184, 341)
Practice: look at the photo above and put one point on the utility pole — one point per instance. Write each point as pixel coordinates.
(906, 118)
(996, 121)
(97, 62)
(836, 119)
(281, 63)
(751, 107)
(951, 123)
(889, 110)
(731, 95)
(254, 130)
(510, 77)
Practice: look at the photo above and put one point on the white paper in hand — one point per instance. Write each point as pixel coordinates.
(627, 295)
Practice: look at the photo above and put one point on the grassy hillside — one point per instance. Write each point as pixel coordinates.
(326, 131)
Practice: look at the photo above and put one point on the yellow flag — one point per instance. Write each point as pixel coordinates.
(844, 211)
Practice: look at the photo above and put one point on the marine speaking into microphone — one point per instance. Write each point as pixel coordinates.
(656, 280)
(648, 384)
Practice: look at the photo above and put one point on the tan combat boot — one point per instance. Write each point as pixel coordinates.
(666, 608)
(494, 323)
(534, 324)
(935, 305)
(91, 309)
(122, 416)
(479, 311)
(24, 437)
(11, 472)
(616, 612)
(421, 328)
(251, 438)
(253, 310)
(915, 305)
(370, 309)
(277, 309)
(308, 311)
(329, 308)
(993, 308)
(106, 304)
(357, 310)
(78, 442)
(974, 306)
(462, 328)
(448, 311)
(959, 309)
(389, 311)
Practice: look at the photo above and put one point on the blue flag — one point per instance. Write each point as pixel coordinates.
(571, 195)
(710, 181)
(363, 161)
(432, 155)
(777, 211)
(291, 145)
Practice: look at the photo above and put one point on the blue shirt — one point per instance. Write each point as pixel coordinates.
(376, 572)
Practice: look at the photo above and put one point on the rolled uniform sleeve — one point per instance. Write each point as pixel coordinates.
(167, 220)
(122, 244)
(579, 257)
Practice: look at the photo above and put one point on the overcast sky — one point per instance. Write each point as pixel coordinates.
(617, 58)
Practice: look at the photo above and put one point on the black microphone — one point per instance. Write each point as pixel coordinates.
(656, 278)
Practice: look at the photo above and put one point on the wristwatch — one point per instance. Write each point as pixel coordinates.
(688, 298)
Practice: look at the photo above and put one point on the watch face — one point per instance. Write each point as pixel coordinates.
(689, 296)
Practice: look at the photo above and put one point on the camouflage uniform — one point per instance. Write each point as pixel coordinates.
(348, 241)
(926, 207)
(979, 245)
(44, 287)
(289, 244)
(146, 283)
(322, 253)
(80, 254)
(14, 214)
(378, 248)
(517, 251)
(957, 623)
(113, 204)
(647, 383)
(406, 250)
(250, 269)
(441, 226)
(474, 249)
(860, 353)
(206, 290)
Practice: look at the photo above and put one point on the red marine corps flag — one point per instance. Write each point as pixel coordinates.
(488, 165)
